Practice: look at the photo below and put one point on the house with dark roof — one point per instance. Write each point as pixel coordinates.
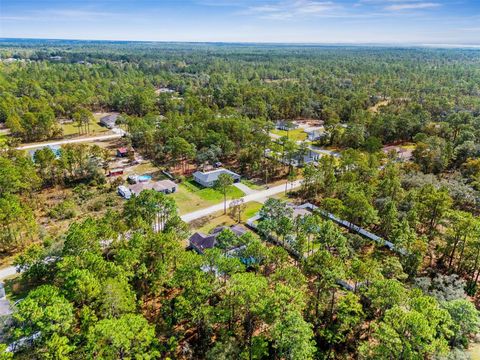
(209, 178)
(109, 121)
(201, 242)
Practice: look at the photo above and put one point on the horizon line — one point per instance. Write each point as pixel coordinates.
(359, 44)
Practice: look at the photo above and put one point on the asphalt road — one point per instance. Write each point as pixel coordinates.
(71, 141)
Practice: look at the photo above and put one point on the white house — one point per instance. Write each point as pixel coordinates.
(209, 178)
(109, 121)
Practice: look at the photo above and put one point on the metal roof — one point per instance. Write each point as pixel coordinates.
(213, 175)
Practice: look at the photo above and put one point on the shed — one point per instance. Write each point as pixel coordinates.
(115, 172)
(122, 152)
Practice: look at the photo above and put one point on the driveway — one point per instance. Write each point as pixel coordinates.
(244, 188)
(5, 308)
(7, 272)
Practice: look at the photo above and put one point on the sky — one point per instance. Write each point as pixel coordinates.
(272, 21)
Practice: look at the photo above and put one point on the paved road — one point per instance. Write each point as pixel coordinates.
(258, 195)
(7, 272)
(70, 141)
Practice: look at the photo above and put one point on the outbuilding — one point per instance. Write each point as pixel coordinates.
(115, 172)
(122, 152)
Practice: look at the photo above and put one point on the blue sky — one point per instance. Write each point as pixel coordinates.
(300, 21)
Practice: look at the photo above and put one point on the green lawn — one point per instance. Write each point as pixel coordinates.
(252, 208)
(3, 139)
(191, 196)
(72, 129)
(252, 185)
(220, 219)
(296, 134)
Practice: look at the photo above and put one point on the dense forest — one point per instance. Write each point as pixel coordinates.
(111, 287)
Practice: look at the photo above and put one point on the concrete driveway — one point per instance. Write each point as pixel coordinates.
(244, 188)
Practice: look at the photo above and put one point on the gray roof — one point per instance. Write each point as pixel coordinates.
(202, 242)
(237, 229)
(161, 185)
(109, 119)
(213, 175)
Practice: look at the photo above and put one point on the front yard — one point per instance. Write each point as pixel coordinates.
(207, 224)
(71, 129)
(296, 134)
(191, 196)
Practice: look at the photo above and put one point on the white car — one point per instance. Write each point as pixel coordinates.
(124, 192)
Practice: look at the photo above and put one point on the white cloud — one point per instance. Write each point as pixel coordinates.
(289, 9)
(411, 6)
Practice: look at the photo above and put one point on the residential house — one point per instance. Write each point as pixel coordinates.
(201, 242)
(315, 133)
(209, 178)
(163, 186)
(56, 149)
(109, 121)
(286, 125)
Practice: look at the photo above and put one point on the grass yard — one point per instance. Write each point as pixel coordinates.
(3, 139)
(252, 185)
(216, 221)
(70, 129)
(191, 197)
(296, 134)
(207, 224)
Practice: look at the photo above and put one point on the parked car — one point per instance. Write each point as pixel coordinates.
(217, 164)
